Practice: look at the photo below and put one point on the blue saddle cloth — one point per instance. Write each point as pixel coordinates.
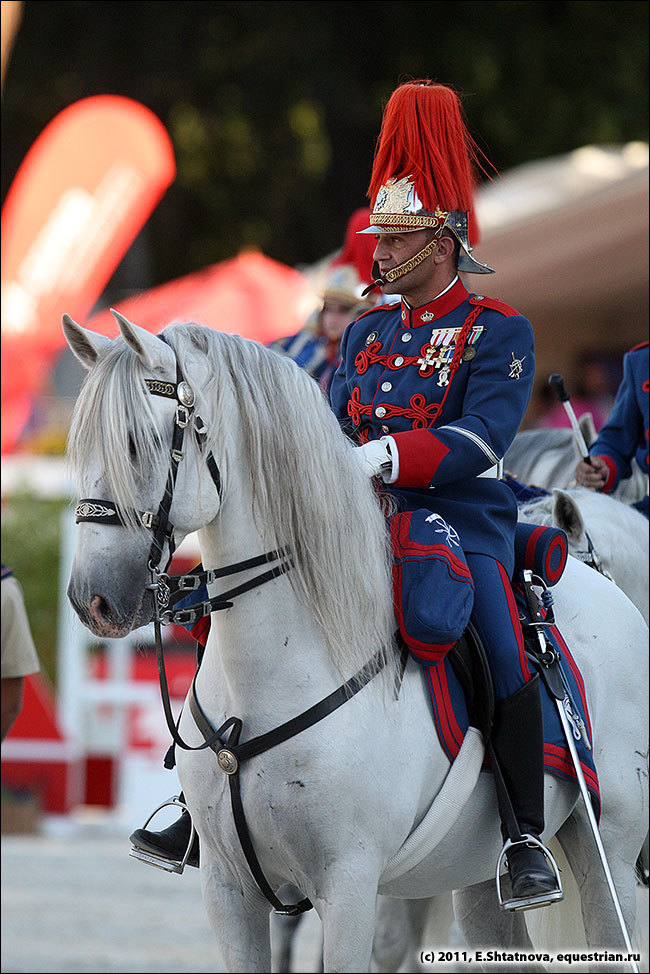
(524, 493)
(451, 720)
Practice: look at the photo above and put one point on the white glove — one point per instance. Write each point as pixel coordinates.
(376, 459)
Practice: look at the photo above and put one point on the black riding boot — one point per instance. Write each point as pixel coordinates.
(519, 745)
(170, 843)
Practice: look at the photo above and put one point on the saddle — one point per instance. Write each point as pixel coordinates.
(433, 589)
(459, 678)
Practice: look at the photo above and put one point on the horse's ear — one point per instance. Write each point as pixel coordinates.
(566, 515)
(86, 345)
(154, 353)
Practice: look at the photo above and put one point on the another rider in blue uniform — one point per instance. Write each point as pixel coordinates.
(315, 348)
(434, 389)
(625, 435)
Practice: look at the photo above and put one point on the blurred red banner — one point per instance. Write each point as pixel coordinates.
(250, 295)
(83, 192)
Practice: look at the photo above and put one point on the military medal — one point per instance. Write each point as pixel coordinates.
(428, 359)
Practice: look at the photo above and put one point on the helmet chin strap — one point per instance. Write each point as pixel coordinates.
(396, 272)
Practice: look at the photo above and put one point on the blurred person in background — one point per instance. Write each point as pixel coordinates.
(315, 347)
(19, 657)
(625, 435)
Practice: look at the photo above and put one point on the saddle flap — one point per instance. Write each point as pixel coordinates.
(433, 590)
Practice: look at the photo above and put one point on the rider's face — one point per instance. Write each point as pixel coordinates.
(393, 249)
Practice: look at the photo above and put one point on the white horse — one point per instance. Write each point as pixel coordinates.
(329, 809)
(548, 457)
(602, 532)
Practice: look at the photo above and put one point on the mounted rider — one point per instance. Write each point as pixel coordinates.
(625, 435)
(434, 389)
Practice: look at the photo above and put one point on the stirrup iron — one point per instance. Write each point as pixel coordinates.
(538, 899)
(169, 865)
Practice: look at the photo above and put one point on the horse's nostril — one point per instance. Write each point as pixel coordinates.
(100, 609)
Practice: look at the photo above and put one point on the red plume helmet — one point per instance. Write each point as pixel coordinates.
(423, 174)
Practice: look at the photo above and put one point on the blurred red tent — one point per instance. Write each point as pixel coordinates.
(83, 192)
(250, 295)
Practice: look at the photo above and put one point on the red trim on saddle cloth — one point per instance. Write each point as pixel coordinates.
(555, 760)
(635, 348)
(613, 472)
(448, 727)
(556, 757)
(420, 454)
(577, 676)
(514, 618)
(201, 630)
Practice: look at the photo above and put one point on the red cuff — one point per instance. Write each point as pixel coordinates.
(611, 478)
(420, 455)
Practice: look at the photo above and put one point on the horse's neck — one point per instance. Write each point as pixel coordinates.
(266, 653)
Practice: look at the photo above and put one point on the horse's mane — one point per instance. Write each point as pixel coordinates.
(308, 492)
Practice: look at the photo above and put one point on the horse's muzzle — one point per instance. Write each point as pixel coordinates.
(105, 618)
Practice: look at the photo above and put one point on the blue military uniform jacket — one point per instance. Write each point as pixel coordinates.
(625, 434)
(397, 378)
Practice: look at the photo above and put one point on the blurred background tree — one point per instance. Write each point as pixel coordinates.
(273, 108)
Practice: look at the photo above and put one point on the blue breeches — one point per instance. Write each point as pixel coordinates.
(496, 618)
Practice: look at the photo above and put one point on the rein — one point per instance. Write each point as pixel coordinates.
(591, 558)
(231, 755)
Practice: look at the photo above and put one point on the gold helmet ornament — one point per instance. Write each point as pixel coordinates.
(423, 173)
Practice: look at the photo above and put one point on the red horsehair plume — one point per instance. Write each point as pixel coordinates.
(424, 135)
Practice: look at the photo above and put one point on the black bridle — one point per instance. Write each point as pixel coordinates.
(167, 591)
